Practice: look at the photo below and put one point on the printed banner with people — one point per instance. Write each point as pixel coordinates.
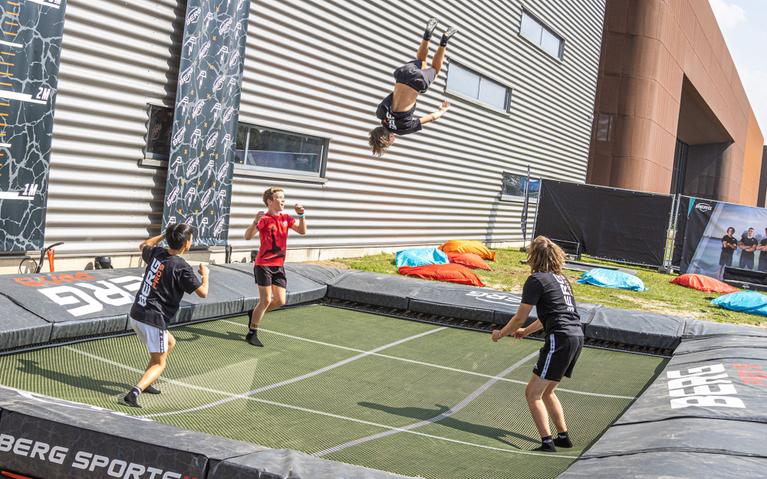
(718, 235)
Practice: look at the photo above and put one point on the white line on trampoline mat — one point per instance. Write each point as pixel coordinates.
(311, 411)
(432, 365)
(465, 402)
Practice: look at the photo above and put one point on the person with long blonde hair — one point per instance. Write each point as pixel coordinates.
(550, 293)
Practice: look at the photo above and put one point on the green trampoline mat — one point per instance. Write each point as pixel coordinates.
(410, 398)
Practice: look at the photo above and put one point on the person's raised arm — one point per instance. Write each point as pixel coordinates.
(202, 291)
(434, 116)
(151, 242)
(299, 226)
(250, 232)
(516, 323)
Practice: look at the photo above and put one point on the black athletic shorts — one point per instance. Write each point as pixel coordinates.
(413, 76)
(558, 356)
(270, 275)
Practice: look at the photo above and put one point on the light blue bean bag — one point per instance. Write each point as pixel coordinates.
(420, 257)
(749, 302)
(610, 278)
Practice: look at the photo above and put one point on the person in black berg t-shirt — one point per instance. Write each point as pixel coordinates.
(411, 79)
(550, 293)
(729, 245)
(166, 278)
(763, 253)
(748, 246)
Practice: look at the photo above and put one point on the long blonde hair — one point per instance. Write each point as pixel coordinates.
(545, 256)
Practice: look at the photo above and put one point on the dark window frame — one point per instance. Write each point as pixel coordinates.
(537, 19)
(283, 172)
(482, 76)
(151, 151)
(521, 197)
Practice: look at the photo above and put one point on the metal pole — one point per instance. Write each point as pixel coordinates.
(525, 206)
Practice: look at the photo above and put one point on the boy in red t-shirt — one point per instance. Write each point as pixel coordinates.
(269, 270)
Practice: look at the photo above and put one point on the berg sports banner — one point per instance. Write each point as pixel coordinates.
(30, 48)
(199, 182)
(709, 225)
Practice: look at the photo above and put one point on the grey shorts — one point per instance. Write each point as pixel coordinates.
(413, 76)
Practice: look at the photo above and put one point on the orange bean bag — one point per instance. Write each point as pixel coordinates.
(476, 247)
(470, 260)
(453, 273)
(704, 283)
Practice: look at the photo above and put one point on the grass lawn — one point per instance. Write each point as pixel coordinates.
(509, 273)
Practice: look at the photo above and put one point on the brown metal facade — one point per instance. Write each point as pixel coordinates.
(671, 113)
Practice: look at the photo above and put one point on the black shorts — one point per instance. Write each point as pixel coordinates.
(558, 356)
(413, 76)
(270, 276)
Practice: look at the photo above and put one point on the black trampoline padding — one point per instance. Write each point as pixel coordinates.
(712, 387)
(19, 327)
(464, 302)
(376, 289)
(695, 345)
(90, 440)
(699, 328)
(733, 438)
(289, 464)
(62, 297)
(300, 288)
(668, 465)
(319, 274)
(636, 328)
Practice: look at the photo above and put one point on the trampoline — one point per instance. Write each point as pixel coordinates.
(406, 397)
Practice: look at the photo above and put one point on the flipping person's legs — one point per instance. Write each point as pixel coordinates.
(423, 48)
(439, 57)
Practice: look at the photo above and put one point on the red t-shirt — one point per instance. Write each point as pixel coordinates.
(273, 233)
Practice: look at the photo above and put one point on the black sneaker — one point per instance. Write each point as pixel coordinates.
(131, 399)
(430, 26)
(248, 336)
(563, 442)
(253, 339)
(447, 35)
(546, 447)
(152, 390)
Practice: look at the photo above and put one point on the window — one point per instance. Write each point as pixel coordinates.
(514, 187)
(280, 151)
(468, 83)
(604, 126)
(541, 35)
(159, 131)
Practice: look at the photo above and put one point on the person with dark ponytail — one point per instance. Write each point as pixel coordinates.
(550, 293)
(411, 79)
(166, 279)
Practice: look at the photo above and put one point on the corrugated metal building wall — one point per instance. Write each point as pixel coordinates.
(320, 67)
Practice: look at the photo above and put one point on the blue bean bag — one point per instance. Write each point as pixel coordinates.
(749, 302)
(420, 257)
(610, 278)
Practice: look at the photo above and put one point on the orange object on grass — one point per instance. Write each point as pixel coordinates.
(704, 283)
(453, 273)
(462, 246)
(470, 260)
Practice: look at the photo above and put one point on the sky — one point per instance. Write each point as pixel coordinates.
(744, 25)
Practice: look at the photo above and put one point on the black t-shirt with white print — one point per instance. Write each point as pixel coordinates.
(399, 122)
(166, 279)
(552, 296)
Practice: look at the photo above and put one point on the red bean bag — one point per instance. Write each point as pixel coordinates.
(454, 273)
(704, 283)
(470, 260)
(461, 246)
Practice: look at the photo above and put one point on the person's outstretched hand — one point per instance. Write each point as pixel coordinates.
(299, 208)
